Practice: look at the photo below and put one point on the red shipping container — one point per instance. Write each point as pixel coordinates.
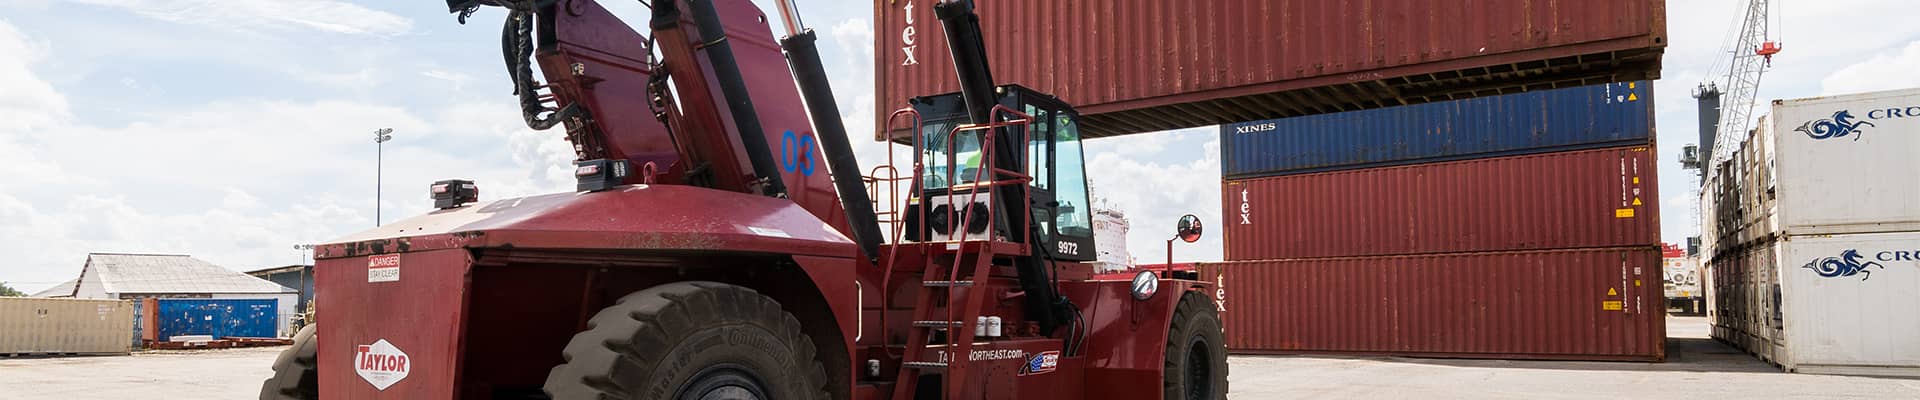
(1575, 199)
(1591, 304)
(1137, 66)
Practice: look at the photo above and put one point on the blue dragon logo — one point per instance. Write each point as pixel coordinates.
(1847, 264)
(1841, 125)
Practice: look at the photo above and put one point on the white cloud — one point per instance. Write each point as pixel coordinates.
(855, 34)
(457, 79)
(1156, 188)
(239, 183)
(26, 101)
(363, 79)
(281, 15)
(1885, 71)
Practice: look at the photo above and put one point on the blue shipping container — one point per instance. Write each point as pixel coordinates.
(220, 318)
(1585, 117)
(137, 322)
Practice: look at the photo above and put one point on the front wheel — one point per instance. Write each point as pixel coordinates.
(690, 340)
(1196, 364)
(296, 373)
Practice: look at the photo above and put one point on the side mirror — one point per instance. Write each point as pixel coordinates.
(1189, 228)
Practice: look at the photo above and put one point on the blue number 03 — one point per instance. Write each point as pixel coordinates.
(796, 153)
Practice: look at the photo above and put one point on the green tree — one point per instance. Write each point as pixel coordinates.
(9, 291)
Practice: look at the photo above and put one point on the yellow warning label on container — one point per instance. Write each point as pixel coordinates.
(1633, 85)
(1636, 201)
(1633, 97)
(1611, 305)
(1636, 180)
(1612, 292)
(1623, 213)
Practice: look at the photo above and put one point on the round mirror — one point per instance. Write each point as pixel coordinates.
(1189, 229)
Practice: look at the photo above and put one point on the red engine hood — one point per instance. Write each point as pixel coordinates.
(635, 217)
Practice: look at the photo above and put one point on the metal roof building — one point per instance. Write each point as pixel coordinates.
(64, 289)
(294, 276)
(139, 276)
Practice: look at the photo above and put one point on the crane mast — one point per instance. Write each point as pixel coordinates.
(1751, 55)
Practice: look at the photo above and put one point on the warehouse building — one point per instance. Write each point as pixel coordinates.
(294, 276)
(64, 289)
(140, 276)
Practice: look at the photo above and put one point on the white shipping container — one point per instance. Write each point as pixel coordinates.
(1847, 164)
(1843, 304)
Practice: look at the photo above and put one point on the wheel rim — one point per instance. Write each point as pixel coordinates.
(1199, 379)
(723, 382)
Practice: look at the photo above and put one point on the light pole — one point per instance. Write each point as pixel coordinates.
(305, 250)
(380, 138)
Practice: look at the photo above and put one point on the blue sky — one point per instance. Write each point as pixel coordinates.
(234, 129)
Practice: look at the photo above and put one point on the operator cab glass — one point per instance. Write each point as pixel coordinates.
(953, 163)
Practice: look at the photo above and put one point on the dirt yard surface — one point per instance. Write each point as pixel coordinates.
(1697, 368)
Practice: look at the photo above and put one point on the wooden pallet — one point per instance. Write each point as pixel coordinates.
(224, 343)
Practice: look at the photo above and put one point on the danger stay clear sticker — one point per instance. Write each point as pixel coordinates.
(383, 268)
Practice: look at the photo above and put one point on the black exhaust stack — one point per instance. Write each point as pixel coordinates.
(804, 57)
(969, 51)
(1709, 108)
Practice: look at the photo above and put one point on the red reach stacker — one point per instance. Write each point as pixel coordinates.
(723, 242)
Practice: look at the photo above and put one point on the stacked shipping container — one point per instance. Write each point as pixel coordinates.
(1812, 233)
(1133, 66)
(1516, 226)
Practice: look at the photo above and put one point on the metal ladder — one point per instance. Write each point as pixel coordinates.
(956, 270)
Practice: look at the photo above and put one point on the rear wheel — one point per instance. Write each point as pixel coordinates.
(690, 340)
(1196, 364)
(295, 373)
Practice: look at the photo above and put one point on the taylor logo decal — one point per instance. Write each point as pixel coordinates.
(381, 364)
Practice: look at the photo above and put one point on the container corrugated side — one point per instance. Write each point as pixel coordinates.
(220, 318)
(1591, 304)
(1533, 122)
(1589, 198)
(1745, 296)
(1846, 303)
(31, 325)
(1135, 66)
(1847, 164)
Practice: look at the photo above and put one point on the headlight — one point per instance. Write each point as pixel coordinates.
(1145, 284)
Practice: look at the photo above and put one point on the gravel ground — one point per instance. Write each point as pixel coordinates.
(1697, 368)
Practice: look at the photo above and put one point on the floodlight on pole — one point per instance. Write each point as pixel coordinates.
(380, 138)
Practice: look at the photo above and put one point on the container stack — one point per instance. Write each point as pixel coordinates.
(1812, 236)
(1513, 226)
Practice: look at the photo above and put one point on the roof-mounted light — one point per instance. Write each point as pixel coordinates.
(453, 193)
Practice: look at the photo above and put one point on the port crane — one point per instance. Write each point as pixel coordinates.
(1726, 103)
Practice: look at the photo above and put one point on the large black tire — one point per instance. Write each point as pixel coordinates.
(296, 374)
(690, 340)
(1196, 366)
